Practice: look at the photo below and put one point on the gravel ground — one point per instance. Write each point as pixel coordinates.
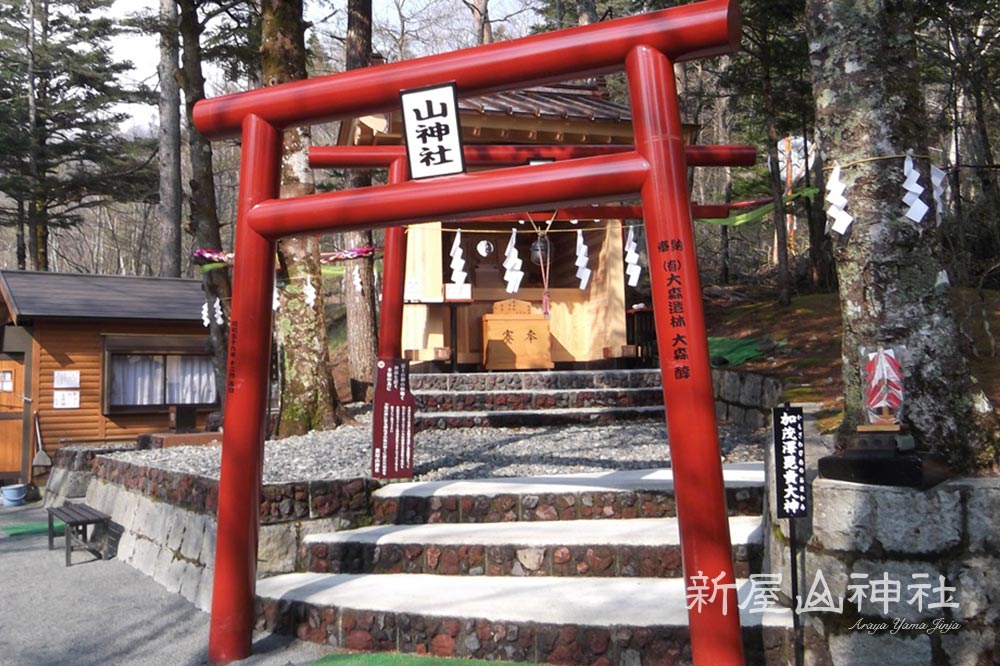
(463, 453)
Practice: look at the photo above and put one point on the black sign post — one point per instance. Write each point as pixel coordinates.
(790, 491)
(392, 420)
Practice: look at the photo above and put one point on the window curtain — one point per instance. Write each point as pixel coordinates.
(136, 379)
(190, 380)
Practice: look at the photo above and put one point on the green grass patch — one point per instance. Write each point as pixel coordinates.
(802, 394)
(735, 351)
(828, 420)
(395, 659)
(32, 528)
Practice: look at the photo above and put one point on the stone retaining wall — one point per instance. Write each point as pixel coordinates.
(164, 522)
(72, 470)
(744, 398)
(943, 543)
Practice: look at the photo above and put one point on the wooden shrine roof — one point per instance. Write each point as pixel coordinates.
(552, 114)
(30, 295)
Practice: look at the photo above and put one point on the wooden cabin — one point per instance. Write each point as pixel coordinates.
(96, 359)
(444, 324)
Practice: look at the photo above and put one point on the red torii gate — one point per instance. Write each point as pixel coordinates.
(647, 45)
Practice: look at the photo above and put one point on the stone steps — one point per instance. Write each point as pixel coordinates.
(597, 495)
(589, 621)
(640, 547)
(535, 399)
(533, 418)
(459, 401)
(535, 380)
(581, 569)
(565, 397)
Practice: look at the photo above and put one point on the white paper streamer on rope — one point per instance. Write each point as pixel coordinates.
(512, 265)
(457, 262)
(357, 278)
(938, 179)
(632, 267)
(309, 291)
(918, 209)
(205, 321)
(220, 319)
(835, 189)
(275, 299)
(582, 260)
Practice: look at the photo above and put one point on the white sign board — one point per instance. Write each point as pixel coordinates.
(66, 379)
(66, 400)
(432, 132)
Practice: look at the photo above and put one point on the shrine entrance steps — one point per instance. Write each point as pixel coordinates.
(535, 399)
(582, 569)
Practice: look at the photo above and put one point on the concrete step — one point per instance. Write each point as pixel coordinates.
(535, 380)
(645, 547)
(533, 418)
(452, 401)
(645, 493)
(585, 622)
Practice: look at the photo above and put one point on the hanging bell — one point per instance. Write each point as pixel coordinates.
(541, 251)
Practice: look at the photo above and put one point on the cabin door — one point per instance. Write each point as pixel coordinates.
(12, 407)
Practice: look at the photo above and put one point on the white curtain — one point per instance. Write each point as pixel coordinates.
(155, 379)
(136, 379)
(190, 380)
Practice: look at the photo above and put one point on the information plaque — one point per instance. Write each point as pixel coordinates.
(392, 420)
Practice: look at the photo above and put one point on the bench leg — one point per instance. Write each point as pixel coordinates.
(104, 525)
(69, 542)
(52, 533)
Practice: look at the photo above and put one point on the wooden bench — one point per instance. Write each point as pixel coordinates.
(78, 517)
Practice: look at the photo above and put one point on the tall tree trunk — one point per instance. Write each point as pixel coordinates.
(586, 12)
(724, 232)
(359, 276)
(38, 232)
(308, 399)
(22, 258)
(169, 211)
(482, 27)
(822, 272)
(204, 217)
(778, 192)
(868, 100)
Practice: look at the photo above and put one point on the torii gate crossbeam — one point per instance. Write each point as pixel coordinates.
(647, 46)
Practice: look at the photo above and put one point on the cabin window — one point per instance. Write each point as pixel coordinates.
(144, 374)
(6, 381)
(160, 379)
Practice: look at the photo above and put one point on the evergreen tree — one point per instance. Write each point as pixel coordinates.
(60, 88)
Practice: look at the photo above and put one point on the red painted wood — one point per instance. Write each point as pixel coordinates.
(716, 638)
(230, 632)
(685, 32)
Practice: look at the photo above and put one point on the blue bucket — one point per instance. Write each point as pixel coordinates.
(14, 495)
